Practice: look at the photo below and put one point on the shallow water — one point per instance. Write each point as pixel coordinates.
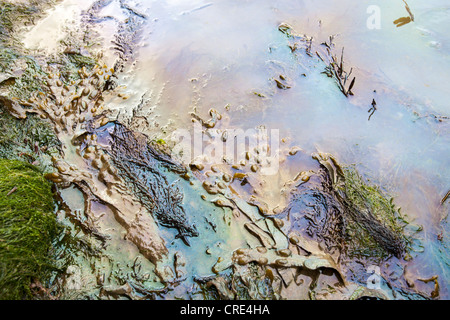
(191, 56)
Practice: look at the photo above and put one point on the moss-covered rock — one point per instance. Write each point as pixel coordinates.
(27, 227)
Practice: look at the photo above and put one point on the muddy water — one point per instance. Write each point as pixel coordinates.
(190, 56)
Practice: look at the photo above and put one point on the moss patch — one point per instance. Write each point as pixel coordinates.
(27, 228)
(369, 198)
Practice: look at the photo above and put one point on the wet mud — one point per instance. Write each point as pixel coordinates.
(151, 226)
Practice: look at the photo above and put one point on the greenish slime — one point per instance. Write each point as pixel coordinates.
(27, 227)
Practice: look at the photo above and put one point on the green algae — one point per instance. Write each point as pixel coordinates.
(31, 140)
(22, 74)
(70, 63)
(11, 13)
(370, 199)
(7, 57)
(14, 17)
(30, 81)
(370, 223)
(27, 228)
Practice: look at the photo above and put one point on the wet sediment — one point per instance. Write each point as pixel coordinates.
(291, 251)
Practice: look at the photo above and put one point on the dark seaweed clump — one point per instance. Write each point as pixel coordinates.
(142, 165)
(356, 217)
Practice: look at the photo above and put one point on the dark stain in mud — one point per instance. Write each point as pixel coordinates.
(141, 164)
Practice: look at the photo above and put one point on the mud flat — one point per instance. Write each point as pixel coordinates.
(359, 189)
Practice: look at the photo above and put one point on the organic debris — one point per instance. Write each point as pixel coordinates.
(74, 110)
(370, 211)
(405, 20)
(335, 69)
(372, 109)
(120, 191)
(252, 281)
(447, 195)
(345, 213)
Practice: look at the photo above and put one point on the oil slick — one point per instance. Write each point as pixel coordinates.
(243, 238)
